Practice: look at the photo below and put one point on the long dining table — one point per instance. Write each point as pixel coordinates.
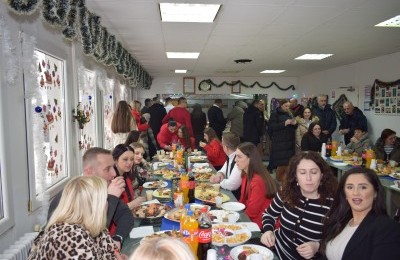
(130, 244)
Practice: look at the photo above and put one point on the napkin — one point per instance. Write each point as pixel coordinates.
(253, 227)
(150, 202)
(141, 231)
(197, 165)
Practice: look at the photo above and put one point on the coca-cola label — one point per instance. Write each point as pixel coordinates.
(205, 236)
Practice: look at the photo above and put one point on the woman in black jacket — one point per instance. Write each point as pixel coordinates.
(314, 138)
(199, 122)
(282, 127)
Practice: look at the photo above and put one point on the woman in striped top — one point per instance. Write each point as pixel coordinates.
(301, 205)
(387, 147)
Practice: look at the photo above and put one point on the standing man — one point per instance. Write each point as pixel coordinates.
(327, 117)
(168, 104)
(236, 118)
(297, 109)
(157, 113)
(216, 118)
(353, 117)
(147, 104)
(180, 115)
(229, 176)
(99, 162)
(253, 123)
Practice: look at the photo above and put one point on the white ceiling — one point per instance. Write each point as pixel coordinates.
(270, 32)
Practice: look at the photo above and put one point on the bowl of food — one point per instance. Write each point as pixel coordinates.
(150, 213)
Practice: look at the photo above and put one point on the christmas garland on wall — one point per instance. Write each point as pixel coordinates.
(72, 16)
(240, 83)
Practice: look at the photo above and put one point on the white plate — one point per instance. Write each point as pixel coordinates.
(265, 252)
(235, 232)
(222, 215)
(339, 164)
(233, 206)
(157, 194)
(147, 185)
(395, 175)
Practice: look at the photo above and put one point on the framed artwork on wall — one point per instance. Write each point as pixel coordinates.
(189, 84)
(236, 89)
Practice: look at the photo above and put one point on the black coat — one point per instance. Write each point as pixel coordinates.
(311, 143)
(216, 120)
(352, 121)
(198, 123)
(327, 118)
(283, 137)
(253, 125)
(157, 113)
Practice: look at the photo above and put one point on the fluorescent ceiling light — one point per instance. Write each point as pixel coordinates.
(272, 71)
(183, 55)
(313, 56)
(180, 71)
(392, 22)
(194, 13)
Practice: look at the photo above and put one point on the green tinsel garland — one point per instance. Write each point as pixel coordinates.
(55, 11)
(209, 81)
(23, 6)
(85, 32)
(69, 30)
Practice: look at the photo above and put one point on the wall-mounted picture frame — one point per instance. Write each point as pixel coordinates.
(236, 89)
(189, 84)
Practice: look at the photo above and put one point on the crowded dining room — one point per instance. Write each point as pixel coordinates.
(199, 129)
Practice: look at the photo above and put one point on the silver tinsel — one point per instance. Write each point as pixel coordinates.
(9, 66)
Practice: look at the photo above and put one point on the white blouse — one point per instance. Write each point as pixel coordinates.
(335, 247)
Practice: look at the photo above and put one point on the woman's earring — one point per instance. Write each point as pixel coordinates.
(297, 183)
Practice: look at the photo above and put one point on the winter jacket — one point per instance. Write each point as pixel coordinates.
(216, 120)
(283, 137)
(302, 128)
(165, 137)
(236, 118)
(253, 125)
(380, 152)
(310, 142)
(362, 144)
(327, 118)
(157, 113)
(352, 121)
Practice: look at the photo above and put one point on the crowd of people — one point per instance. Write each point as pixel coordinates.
(304, 214)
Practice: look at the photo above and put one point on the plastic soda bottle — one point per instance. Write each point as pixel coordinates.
(334, 148)
(184, 185)
(205, 235)
(189, 231)
(192, 186)
(369, 155)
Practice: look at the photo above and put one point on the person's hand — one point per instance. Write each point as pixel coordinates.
(288, 122)
(308, 249)
(117, 186)
(117, 244)
(344, 131)
(136, 202)
(325, 132)
(268, 239)
(168, 147)
(294, 122)
(202, 144)
(217, 178)
(354, 139)
(120, 256)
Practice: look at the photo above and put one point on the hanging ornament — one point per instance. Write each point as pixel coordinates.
(55, 67)
(110, 97)
(38, 109)
(39, 68)
(90, 97)
(56, 139)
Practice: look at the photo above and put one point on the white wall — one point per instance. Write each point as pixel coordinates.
(358, 75)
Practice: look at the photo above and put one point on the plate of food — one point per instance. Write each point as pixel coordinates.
(336, 158)
(202, 170)
(163, 193)
(163, 234)
(223, 216)
(204, 186)
(229, 234)
(233, 206)
(155, 184)
(339, 164)
(243, 251)
(205, 176)
(196, 159)
(395, 175)
(208, 196)
(176, 214)
(151, 212)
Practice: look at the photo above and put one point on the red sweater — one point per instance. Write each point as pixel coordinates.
(180, 115)
(256, 202)
(165, 137)
(215, 153)
(185, 145)
(141, 127)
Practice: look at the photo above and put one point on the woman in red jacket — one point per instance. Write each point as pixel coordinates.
(213, 148)
(258, 188)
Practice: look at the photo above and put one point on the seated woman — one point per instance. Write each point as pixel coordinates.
(357, 226)
(301, 205)
(213, 148)
(387, 147)
(125, 158)
(303, 121)
(360, 141)
(258, 188)
(163, 249)
(187, 142)
(77, 228)
(314, 138)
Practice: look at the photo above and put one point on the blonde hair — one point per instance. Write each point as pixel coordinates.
(163, 249)
(83, 202)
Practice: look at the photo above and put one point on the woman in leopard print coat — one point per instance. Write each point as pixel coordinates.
(77, 228)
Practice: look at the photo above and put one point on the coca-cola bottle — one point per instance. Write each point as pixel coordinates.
(192, 186)
(205, 235)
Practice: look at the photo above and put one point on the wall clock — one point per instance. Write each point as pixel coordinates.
(205, 85)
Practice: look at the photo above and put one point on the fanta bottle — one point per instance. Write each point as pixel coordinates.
(369, 155)
(190, 230)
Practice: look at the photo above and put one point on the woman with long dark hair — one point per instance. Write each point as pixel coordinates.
(301, 205)
(184, 139)
(258, 188)
(357, 226)
(199, 122)
(214, 150)
(314, 138)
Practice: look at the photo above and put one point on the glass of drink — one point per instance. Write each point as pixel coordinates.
(218, 201)
(149, 194)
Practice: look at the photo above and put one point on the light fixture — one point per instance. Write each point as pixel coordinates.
(194, 13)
(182, 55)
(180, 71)
(392, 22)
(272, 71)
(313, 56)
